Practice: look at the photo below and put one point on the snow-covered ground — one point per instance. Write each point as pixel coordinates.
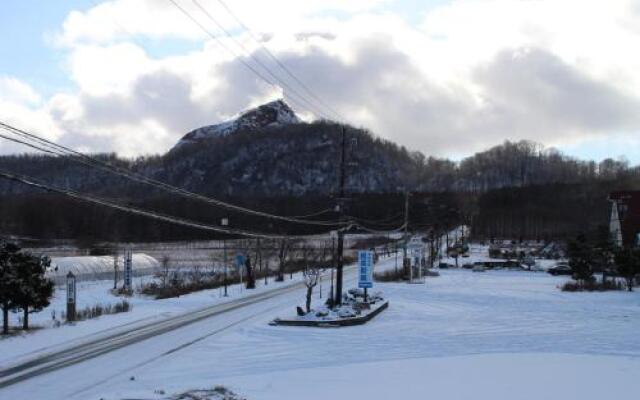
(145, 310)
(497, 335)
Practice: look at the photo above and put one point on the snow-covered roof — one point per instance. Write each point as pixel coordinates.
(61, 266)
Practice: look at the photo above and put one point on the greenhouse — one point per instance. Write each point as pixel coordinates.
(93, 268)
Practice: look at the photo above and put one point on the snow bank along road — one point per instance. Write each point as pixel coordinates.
(74, 355)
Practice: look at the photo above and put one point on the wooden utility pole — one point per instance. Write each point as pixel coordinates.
(341, 203)
(115, 269)
(405, 262)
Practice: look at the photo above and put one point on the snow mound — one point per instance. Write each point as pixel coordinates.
(275, 113)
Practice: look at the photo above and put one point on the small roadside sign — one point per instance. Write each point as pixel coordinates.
(365, 269)
(240, 260)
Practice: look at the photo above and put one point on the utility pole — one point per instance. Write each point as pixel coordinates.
(333, 262)
(225, 222)
(340, 258)
(266, 267)
(406, 236)
(115, 269)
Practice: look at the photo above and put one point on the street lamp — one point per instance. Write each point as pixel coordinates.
(225, 222)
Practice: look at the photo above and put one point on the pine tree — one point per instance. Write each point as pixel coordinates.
(580, 255)
(604, 251)
(628, 265)
(8, 282)
(35, 289)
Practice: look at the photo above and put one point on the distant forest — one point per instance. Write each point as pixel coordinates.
(511, 190)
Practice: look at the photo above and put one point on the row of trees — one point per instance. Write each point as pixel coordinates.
(242, 165)
(598, 254)
(23, 285)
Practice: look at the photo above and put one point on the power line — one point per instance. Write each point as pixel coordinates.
(164, 217)
(139, 211)
(381, 232)
(247, 64)
(386, 221)
(277, 61)
(266, 50)
(60, 150)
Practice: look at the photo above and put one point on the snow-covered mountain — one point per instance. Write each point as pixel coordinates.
(275, 113)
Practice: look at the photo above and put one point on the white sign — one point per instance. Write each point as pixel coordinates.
(365, 269)
(71, 290)
(127, 270)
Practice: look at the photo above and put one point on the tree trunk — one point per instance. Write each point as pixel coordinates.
(25, 319)
(251, 280)
(309, 293)
(5, 319)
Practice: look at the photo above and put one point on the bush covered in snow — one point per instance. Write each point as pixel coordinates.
(592, 286)
(101, 309)
(390, 275)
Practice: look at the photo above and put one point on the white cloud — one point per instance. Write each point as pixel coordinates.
(470, 75)
(15, 91)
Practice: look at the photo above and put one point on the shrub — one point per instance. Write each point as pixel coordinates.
(98, 310)
(390, 275)
(592, 286)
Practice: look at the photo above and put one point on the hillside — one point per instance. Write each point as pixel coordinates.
(270, 160)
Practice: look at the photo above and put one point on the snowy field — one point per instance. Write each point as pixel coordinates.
(492, 335)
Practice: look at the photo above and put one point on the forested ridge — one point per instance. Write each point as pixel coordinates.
(517, 188)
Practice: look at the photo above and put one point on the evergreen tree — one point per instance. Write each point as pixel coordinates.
(628, 265)
(604, 251)
(581, 257)
(34, 289)
(8, 282)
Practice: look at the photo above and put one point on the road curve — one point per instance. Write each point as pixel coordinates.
(64, 358)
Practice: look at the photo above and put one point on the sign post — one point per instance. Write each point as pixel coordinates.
(127, 270)
(71, 297)
(240, 264)
(415, 261)
(365, 271)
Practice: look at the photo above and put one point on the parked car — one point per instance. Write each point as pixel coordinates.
(478, 268)
(444, 265)
(560, 269)
(467, 266)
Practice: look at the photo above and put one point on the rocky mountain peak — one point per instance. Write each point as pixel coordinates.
(274, 113)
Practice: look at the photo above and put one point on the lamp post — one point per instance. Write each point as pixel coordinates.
(225, 222)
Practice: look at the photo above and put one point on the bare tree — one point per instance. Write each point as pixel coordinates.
(251, 279)
(284, 246)
(311, 278)
(164, 272)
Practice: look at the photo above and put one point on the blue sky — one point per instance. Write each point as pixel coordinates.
(24, 27)
(456, 77)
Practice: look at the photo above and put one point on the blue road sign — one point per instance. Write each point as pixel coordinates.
(365, 269)
(240, 260)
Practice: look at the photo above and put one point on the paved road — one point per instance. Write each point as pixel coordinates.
(85, 351)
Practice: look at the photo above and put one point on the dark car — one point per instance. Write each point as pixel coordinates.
(560, 270)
